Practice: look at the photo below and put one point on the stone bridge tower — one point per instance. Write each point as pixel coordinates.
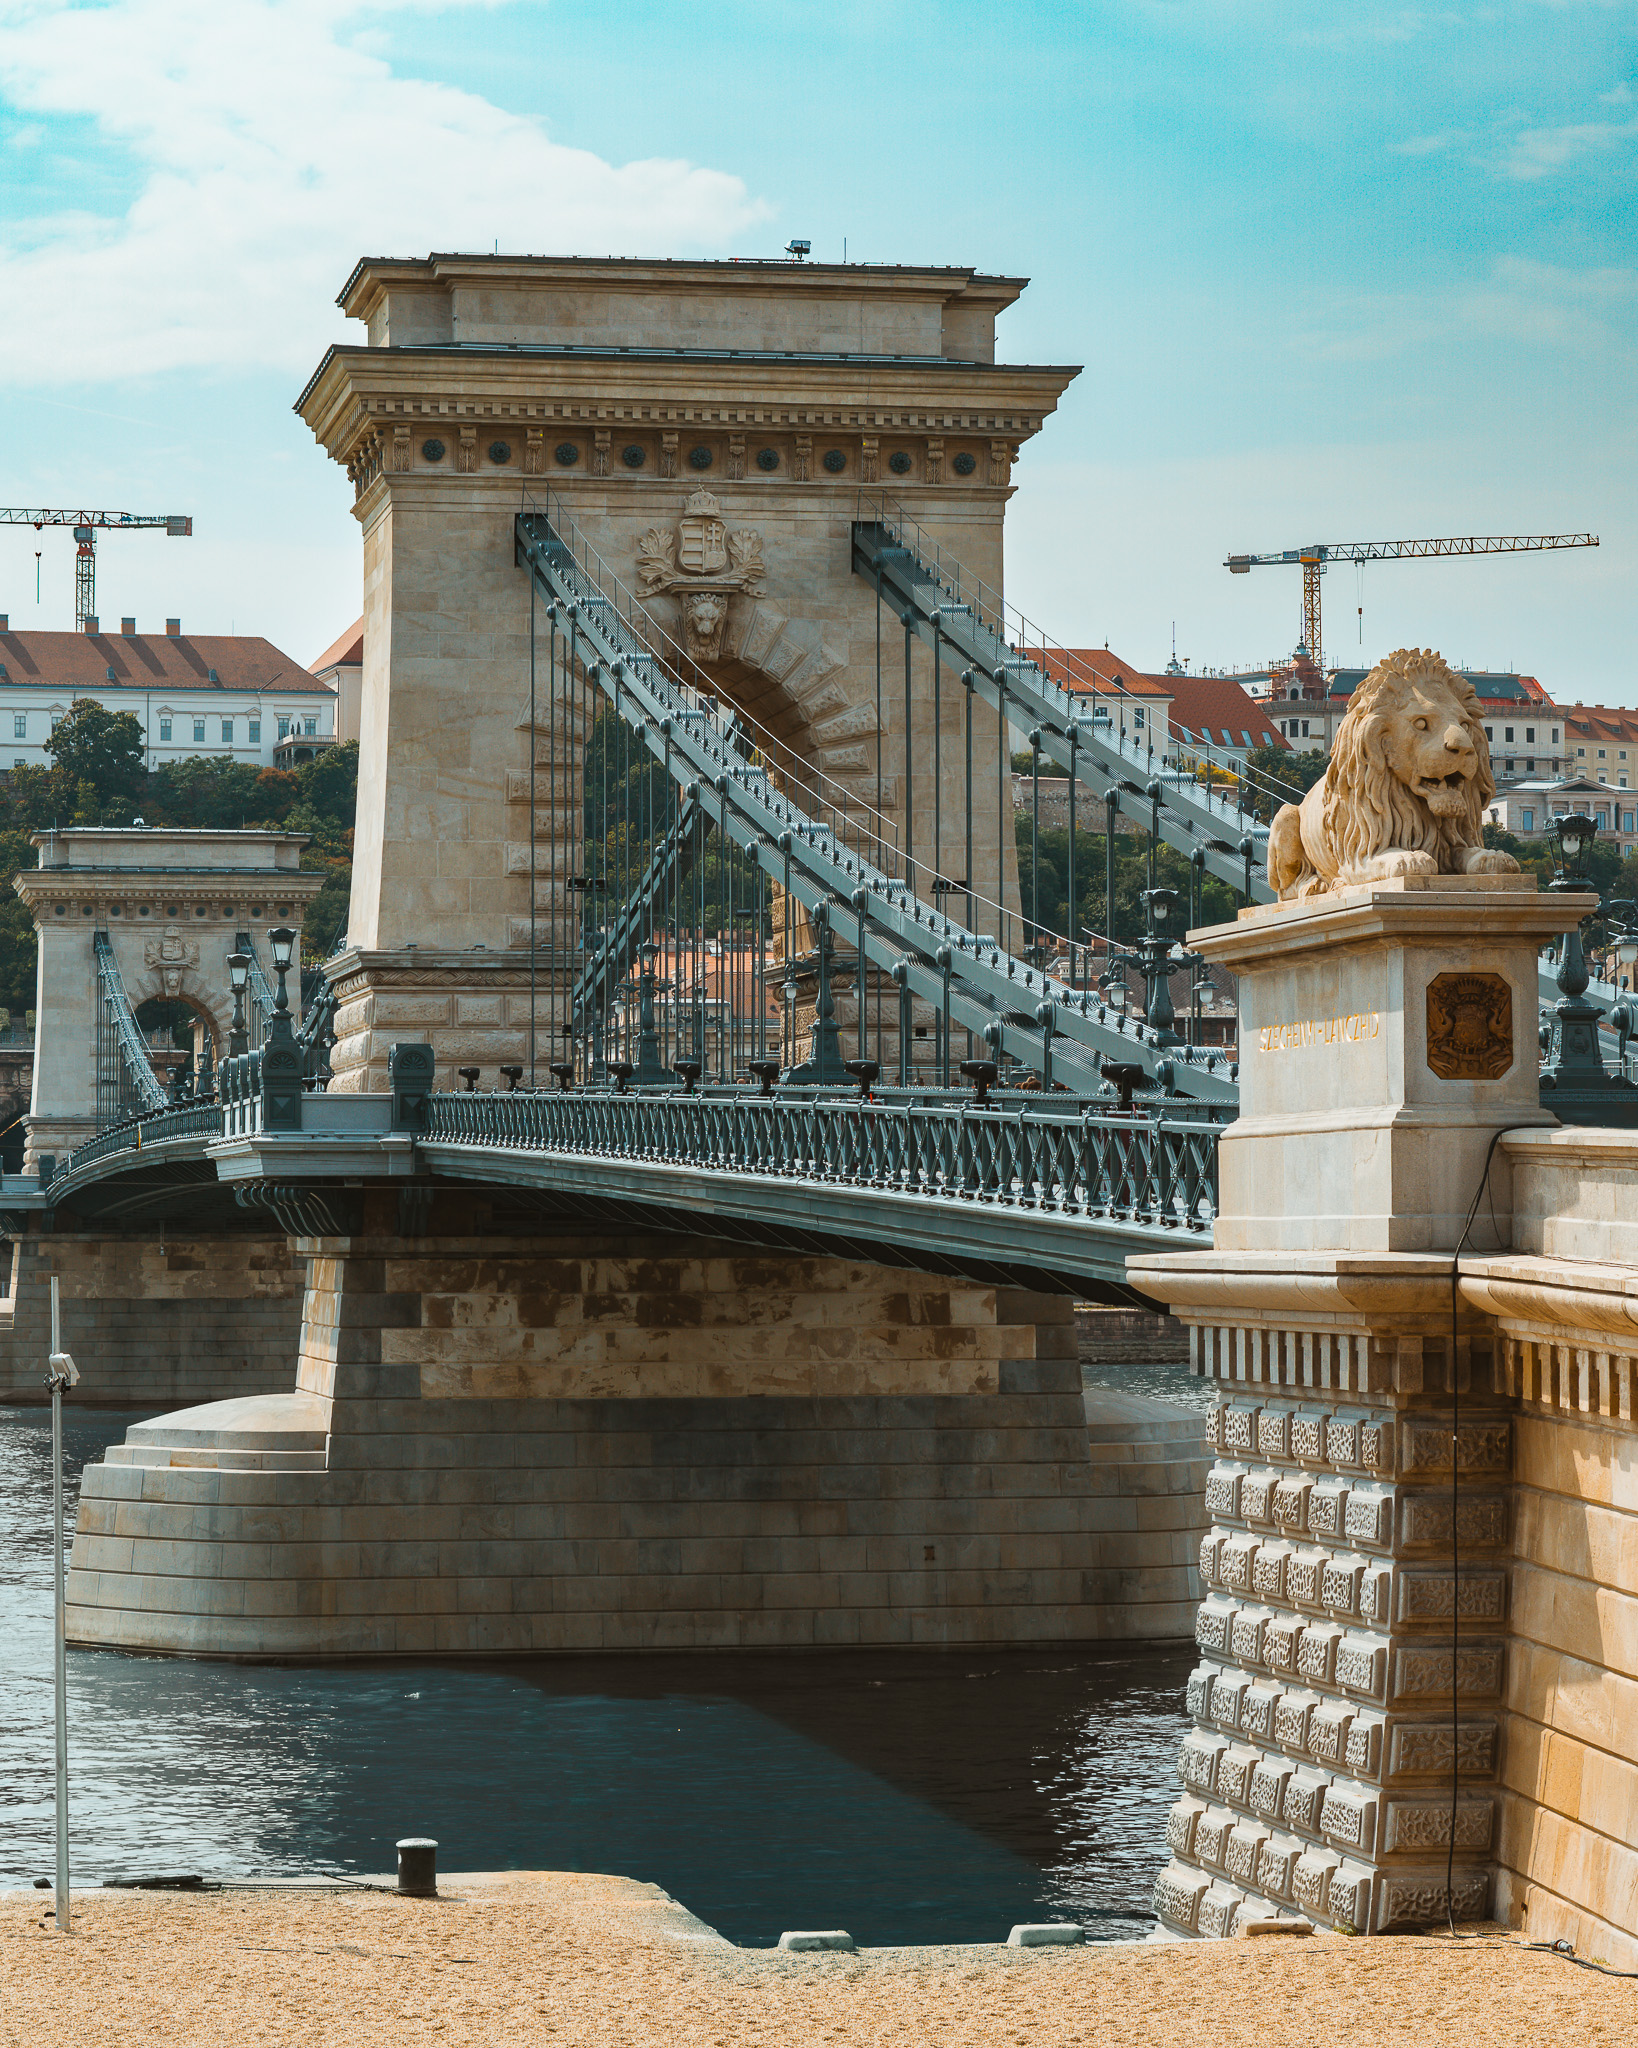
(171, 903)
(634, 391)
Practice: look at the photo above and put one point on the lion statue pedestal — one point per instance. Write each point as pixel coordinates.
(1387, 1030)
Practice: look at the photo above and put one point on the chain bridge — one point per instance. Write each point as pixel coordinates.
(659, 1223)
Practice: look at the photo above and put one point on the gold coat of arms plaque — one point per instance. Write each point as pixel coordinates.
(1470, 1026)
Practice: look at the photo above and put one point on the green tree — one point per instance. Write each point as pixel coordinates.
(102, 748)
(1051, 909)
(1276, 775)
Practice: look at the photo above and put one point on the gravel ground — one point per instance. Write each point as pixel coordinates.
(553, 1957)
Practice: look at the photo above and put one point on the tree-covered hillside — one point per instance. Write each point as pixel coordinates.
(98, 777)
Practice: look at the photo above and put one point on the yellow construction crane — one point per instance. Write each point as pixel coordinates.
(85, 527)
(1314, 561)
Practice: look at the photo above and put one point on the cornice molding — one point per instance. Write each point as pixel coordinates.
(356, 385)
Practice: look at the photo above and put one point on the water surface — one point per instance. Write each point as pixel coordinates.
(935, 1797)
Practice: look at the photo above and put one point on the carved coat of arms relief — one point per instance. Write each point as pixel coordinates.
(705, 567)
(169, 956)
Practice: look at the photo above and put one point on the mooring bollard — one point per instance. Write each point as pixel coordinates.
(418, 1867)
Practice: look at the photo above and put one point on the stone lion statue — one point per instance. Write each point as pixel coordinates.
(1405, 790)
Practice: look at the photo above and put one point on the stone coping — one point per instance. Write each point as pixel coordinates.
(1407, 909)
(270, 1422)
(1572, 1145)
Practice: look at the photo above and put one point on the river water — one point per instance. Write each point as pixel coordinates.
(935, 1797)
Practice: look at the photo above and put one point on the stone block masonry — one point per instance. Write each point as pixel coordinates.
(1316, 1778)
(595, 1442)
(155, 1322)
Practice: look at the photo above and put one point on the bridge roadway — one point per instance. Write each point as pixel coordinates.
(1053, 1197)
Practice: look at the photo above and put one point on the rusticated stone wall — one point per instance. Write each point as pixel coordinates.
(1317, 1774)
(152, 1322)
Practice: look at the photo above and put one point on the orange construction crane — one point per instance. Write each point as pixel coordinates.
(1315, 559)
(85, 526)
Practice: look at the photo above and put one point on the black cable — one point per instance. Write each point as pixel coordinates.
(1566, 1950)
(1455, 1548)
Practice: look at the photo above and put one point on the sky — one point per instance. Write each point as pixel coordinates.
(1358, 272)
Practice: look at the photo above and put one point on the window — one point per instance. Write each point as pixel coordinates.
(1305, 728)
(1558, 810)
(227, 732)
(1601, 819)
(1555, 735)
(21, 763)
(1529, 735)
(310, 727)
(1581, 753)
(199, 731)
(1602, 754)
(1529, 767)
(1137, 719)
(284, 724)
(19, 725)
(1490, 732)
(164, 728)
(1245, 737)
(1622, 755)
(1508, 735)
(1527, 820)
(254, 726)
(1626, 821)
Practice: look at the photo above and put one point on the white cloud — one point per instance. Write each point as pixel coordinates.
(1429, 145)
(271, 149)
(1583, 313)
(1538, 152)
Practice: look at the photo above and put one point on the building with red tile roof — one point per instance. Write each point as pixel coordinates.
(341, 668)
(213, 693)
(1215, 713)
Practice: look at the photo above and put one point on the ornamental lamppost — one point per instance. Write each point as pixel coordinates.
(1574, 1082)
(238, 966)
(1155, 956)
(282, 944)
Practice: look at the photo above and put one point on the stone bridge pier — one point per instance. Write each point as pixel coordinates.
(713, 430)
(580, 1438)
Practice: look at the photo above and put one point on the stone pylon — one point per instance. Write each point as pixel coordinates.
(711, 431)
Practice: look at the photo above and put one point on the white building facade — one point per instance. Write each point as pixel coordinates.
(234, 695)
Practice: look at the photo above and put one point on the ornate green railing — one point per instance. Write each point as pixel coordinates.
(1138, 1168)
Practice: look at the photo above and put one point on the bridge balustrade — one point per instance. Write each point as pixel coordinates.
(1145, 1169)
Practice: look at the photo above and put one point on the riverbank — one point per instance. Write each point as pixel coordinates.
(518, 1957)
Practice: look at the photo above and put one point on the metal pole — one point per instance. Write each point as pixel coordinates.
(909, 780)
(938, 748)
(533, 842)
(1071, 913)
(61, 1373)
(1111, 811)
